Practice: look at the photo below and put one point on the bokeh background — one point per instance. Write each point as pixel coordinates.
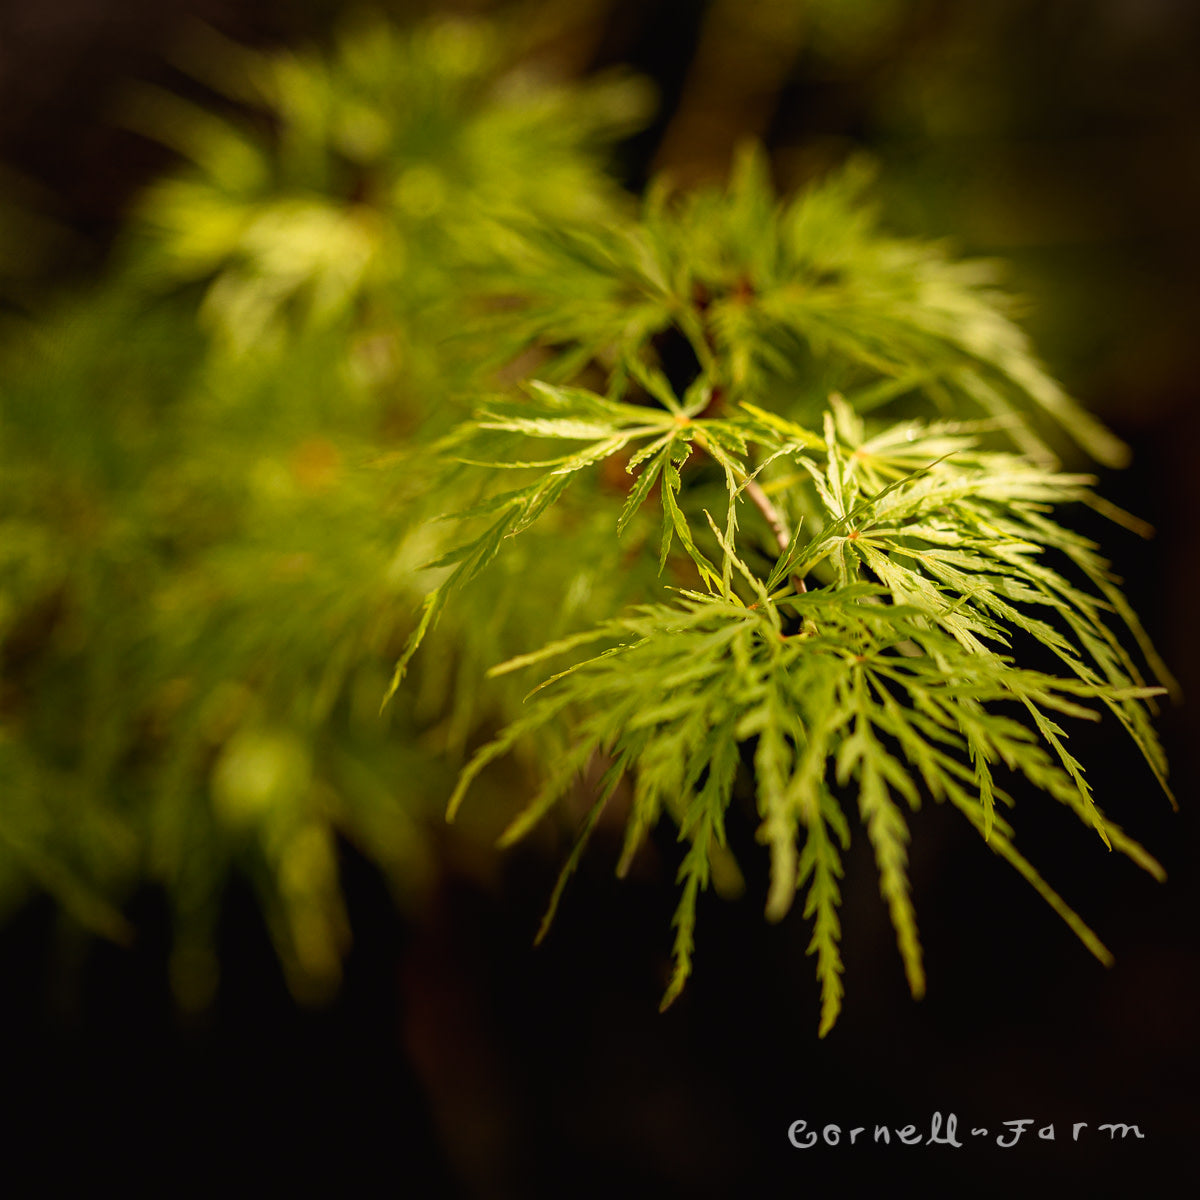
(1060, 135)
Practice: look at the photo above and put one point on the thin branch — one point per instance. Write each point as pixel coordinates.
(763, 503)
(774, 518)
(761, 500)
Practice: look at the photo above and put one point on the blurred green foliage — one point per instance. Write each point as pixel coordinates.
(213, 502)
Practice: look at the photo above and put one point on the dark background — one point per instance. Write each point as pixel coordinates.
(1061, 135)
